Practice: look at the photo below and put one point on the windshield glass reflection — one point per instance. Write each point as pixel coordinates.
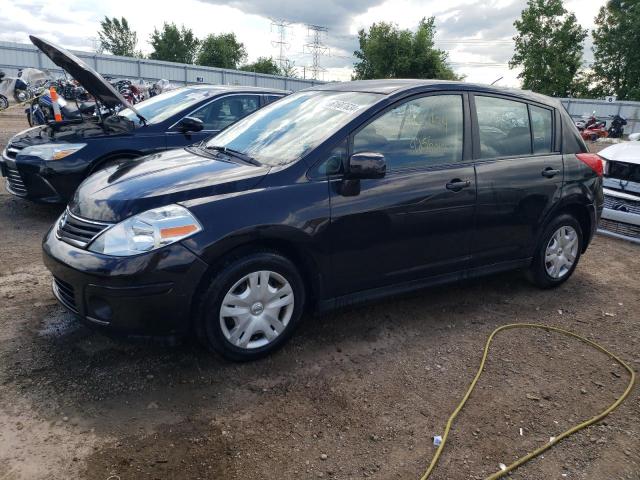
(289, 128)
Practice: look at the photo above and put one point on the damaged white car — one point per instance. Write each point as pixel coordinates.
(621, 214)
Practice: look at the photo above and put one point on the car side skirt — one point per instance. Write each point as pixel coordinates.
(414, 285)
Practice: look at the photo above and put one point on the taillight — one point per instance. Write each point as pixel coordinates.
(593, 161)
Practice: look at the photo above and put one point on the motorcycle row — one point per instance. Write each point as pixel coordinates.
(592, 128)
(32, 88)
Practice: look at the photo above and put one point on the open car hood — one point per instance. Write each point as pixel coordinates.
(91, 80)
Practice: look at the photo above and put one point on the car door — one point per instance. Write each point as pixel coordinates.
(416, 221)
(216, 115)
(519, 170)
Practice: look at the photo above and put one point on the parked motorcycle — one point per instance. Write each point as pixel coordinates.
(616, 130)
(40, 111)
(12, 88)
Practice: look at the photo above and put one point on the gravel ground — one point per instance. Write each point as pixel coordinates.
(357, 393)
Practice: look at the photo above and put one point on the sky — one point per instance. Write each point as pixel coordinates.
(477, 34)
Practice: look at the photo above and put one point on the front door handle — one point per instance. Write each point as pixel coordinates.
(550, 172)
(456, 184)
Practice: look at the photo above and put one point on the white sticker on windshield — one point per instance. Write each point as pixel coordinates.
(340, 106)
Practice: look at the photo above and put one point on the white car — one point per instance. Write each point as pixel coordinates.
(621, 214)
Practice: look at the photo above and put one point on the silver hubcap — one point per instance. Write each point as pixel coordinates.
(256, 309)
(561, 252)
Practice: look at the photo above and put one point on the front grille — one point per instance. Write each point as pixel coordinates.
(65, 293)
(14, 182)
(77, 231)
(622, 204)
(626, 229)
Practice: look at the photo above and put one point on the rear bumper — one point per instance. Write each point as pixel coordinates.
(147, 295)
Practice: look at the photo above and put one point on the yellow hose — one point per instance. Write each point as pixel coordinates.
(555, 440)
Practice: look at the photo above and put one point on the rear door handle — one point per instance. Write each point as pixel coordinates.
(550, 172)
(456, 184)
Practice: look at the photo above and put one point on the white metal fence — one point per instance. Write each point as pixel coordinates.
(629, 110)
(19, 55)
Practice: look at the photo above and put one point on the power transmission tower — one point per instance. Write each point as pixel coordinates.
(281, 44)
(316, 48)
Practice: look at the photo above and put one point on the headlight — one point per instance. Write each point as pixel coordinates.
(147, 231)
(52, 151)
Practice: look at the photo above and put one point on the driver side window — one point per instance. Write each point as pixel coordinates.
(422, 132)
(227, 110)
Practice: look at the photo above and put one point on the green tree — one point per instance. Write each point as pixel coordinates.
(388, 52)
(616, 49)
(117, 37)
(548, 47)
(289, 69)
(223, 51)
(262, 65)
(174, 44)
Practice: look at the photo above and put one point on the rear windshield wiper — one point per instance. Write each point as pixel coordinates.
(235, 153)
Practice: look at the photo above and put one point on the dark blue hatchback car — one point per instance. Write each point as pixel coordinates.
(47, 163)
(333, 195)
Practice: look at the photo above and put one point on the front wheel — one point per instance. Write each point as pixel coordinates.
(4, 102)
(558, 253)
(251, 307)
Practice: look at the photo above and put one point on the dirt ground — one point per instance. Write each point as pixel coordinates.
(356, 394)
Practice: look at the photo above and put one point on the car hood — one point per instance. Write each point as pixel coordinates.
(628, 152)
(71, 133)
(173, 176)
(91, 80)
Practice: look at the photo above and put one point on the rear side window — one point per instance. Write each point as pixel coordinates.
(227, 110)
(422, 132)
(503, 127)
(271, 98)
(542, 126)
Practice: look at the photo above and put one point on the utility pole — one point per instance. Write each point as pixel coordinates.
(316, 48)
(281, 44)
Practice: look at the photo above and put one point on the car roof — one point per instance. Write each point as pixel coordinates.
(395, 86)
(234, 88)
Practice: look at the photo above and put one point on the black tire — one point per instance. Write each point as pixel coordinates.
(537, 272)
(208, 324)
(4, 102)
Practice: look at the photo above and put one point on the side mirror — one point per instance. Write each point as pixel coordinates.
(190, 124)
(366, 165)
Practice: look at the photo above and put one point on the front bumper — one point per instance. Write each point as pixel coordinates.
(149, 294)
(31, 178)
(621, 216)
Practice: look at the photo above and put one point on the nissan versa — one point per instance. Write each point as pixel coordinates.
(47, 163)
(333, 195)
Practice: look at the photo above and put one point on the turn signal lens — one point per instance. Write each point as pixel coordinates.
(177, 231)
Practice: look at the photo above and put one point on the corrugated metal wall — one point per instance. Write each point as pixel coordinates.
(577, 108)
(18, 55)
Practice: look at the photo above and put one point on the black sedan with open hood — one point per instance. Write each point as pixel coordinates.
(48, 162)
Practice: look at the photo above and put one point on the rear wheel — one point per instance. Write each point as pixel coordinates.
(4, 102)
(558, 253)
(251, 307)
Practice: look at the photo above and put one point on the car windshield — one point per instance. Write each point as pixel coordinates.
(157, 109)
(289, 128)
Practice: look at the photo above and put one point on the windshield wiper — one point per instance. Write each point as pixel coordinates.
(235, 153)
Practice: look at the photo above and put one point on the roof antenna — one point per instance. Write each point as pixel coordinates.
(497, 80)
